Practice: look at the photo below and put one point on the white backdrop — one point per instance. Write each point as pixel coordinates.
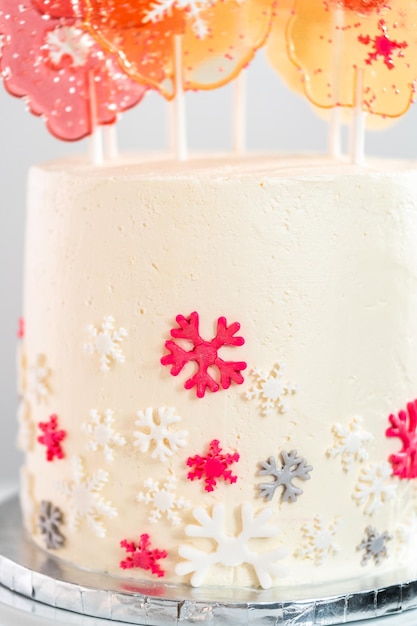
(277, 120)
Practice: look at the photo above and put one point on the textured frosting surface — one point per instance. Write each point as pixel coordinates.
(317, 262)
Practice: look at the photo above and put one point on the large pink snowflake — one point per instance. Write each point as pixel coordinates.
(205, 354)
(52, 438)
(142, 556)
(403, 426)
(382, 46)
(212, 466)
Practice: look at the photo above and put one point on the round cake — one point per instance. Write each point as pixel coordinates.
(219, 368)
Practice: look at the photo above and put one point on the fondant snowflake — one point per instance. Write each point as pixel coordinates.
(349, 443)
(52, 438)
(105, 341)
(292, 467)
(83, 492)
(142, 556)
(70, 44)
(214, 465)
(163, 499)
(374, 546)
(102, 435)
(403, 426)
(49, 522)
(318, 539)
(382, 46)
(270, 389)
(156, 431)
(27, 500)
(39, 379)
(205, 354)
(193, 8)
(26, 435)
(231, 551)
(373, 488)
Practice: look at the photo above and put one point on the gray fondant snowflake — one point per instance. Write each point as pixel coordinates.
(49, 522)
(293, 466)
(374, 545)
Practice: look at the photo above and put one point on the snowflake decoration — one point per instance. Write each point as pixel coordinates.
(163, 500)
(270, 389)
(403, 426)
(52, 438)
(86, 502)
(212, 466)
(193, 8)
(293, 466)
(382, 46)
(374, 546)
(349, 443)
(231, 551)
(27, 501)
(157, 431)
(372, 489)
(142, 556)
(102, 435)
(39, 379)
(21, 322)
(318, 540)
(70, 44)
(27, 430)
(205, 354)
(105, 341)
(49, 522)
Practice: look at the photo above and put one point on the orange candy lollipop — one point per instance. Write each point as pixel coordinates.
(218, 38)
(329, 40)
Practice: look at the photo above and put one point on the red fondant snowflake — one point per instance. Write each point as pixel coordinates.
(21, 328)
(52, 438)
(143, 556)
(205, 354)
(382, 46)
(403, 426)
(212, 466)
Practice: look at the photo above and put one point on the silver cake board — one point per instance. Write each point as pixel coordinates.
(29, 571)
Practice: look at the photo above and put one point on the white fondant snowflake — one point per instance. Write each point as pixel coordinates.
(105, 341)
(68, 42)
(157, 431)
(26, 432)
(102, 435)
(271, 389)
(83, 492)
(349, 443)
(163, 500)
(38, 379)
(192, 8)
(231, 551)
(27, 501)
(374, 487)
(318, 539)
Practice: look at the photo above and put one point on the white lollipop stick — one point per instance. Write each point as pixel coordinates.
(111, 148)
(179, 126)
(357, 147)
(335, 134)
(335, 122)
(96, 152)
(239, 113)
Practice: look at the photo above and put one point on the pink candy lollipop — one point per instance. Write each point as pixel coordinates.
(49, 58)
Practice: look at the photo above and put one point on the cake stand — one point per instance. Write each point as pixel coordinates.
(37, 585)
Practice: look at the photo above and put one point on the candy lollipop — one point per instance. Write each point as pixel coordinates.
(63, 73)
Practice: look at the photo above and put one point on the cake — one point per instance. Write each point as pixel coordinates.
(218, 368)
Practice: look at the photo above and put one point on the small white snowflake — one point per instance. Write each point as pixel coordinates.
(27, 501)
(83, 492)
(374, 487)
(163, 500)
(156, 430)
(27, 429)
(192, 9)
(318, 540)
(349, 443)
(231, 551)
(68, 42)
(102, 435)
(105, 341)
(38, 379)
(271, 389)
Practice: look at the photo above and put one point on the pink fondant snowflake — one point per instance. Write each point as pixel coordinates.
(212, 466)
(52, 438)
(21, 328)
(382, 46)
(142, 556)
(403, 426)
(205, 354)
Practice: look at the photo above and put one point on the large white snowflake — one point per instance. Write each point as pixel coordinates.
(102, 435)
(155, 431)
(231, 551)
(38, 379)
(270, 389)
(83, 492)
(105, 341)
(349, 443)
(68, 42)
(192, 9)
(318, 540)
(163, 499)
(374, 487)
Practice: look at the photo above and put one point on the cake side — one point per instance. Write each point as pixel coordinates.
(317, 264)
